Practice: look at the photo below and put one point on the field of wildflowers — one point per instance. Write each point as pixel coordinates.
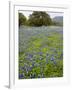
(40, 52)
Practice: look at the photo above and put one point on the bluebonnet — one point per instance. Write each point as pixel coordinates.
(21, 75)
(40, 53)
(52, 58)
(30, 55)
(29, 68)
(32, 64)
(22, 68)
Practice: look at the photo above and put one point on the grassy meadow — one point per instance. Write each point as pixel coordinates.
(40, 52)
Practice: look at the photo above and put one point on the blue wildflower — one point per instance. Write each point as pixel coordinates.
(21, 75)
(30, 55)
(40, 53)
(30, 68)
(52, 58)
(21, 68)
(32, 64)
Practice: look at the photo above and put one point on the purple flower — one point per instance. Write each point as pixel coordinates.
(32, 64)
(52, 58)
(30, 55)
(21, 68)
(40, 53)
(30, 68)
(21, 76)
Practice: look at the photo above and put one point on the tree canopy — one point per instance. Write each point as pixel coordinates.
(22, 19)
(39, 18)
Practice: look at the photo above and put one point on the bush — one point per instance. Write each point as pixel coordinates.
(22, 19)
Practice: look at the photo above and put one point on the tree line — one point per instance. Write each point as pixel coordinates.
(37, 18)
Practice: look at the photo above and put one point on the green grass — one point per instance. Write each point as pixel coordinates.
(42, 66)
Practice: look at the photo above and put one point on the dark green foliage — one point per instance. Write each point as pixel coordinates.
(22, 19)
(39, 18)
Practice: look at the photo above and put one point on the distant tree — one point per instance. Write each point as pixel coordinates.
(22, 19)
(39, 18)
(57, 23)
